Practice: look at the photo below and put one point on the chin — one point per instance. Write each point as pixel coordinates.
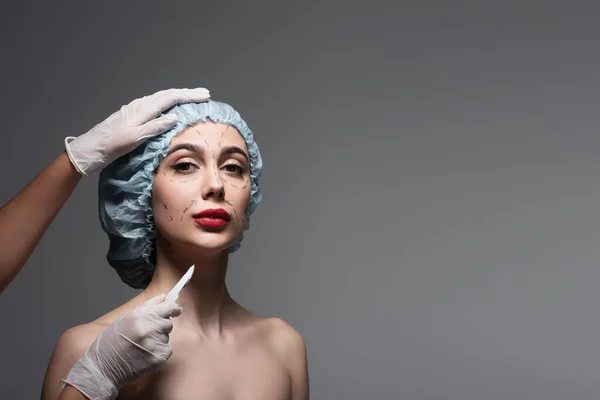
(198, 240)
(211, 242)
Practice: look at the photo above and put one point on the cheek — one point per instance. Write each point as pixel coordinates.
(239, 200)
(170, 201)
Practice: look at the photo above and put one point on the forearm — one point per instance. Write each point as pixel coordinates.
(70, 393)
(27, 216)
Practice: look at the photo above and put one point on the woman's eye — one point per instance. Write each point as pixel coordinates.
(234, 169)
(184, 167)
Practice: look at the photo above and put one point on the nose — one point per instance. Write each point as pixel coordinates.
(212, 185)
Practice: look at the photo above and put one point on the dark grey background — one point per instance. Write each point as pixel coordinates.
(430, 219)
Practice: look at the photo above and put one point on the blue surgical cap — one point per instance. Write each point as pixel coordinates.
(125, 192)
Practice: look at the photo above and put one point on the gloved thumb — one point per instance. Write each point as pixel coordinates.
(156, 299)
(156, 126)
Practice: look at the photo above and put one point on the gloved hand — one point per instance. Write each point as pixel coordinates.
(133, 346)
(127, 128)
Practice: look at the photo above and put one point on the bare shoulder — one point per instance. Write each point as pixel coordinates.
(118, 312)
(71, 345)
(78, 338)
(284, 340)
(289, 347)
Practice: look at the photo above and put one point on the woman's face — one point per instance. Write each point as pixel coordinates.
(201, 188)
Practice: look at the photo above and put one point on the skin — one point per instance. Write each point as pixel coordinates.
(39, 201)
(220, 349)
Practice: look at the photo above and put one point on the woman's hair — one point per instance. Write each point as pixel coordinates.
(125, 192)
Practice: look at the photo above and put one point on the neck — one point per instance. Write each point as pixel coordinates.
(205, 299)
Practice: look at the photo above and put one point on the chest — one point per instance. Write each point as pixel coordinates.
(203, 372)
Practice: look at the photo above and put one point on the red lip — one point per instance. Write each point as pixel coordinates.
(217, 213)
(212, 218)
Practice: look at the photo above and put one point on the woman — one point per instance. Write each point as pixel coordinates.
(184, 198)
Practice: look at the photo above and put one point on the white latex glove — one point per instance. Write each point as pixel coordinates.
(127, 128)
(133, 346)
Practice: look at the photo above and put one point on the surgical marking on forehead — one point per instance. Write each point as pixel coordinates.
(207, 145)
(165, 207)
(199, 133)
(222, 133)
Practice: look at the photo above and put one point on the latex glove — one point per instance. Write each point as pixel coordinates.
(127, 128)
(133, 346)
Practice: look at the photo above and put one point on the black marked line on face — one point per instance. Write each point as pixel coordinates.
(165, 207)
(193, 202)
(207, 145)
(181, 217)
(222, 133)
(187, 208)
(215, 171)
(227, 202)
(237, 218)
(199, 133)
(170, 218)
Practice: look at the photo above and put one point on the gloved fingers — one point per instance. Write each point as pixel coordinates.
(138, 348)
(154, 341)
(163, 351)
(164, 101)
(157, 103)
(161, 92)
(163, 325)
(156, 324)
(163, 338)
(167, 309)
(156, 127)
(158, 352)
(144, 109)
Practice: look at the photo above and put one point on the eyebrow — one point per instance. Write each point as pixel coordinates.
(197, 149)
(234, 150)
(185, 146)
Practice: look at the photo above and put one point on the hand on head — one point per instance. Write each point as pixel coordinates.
(127, 128)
